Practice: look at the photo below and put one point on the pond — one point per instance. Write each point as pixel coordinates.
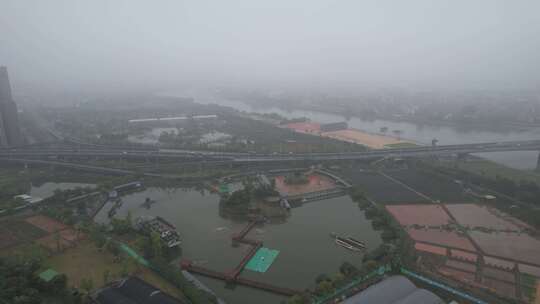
(303, 238)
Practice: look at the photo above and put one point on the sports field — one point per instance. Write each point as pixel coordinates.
(359, 137)
(473, 215)
(461, 265)
(499, 286)
(441, 237)
(262, 260)
(424, 215)
(519, 246)
(463, 255)
(459, 275)
(430, 248)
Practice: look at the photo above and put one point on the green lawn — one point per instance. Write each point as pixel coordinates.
(87, 262)
(491, 169)
(401, 145)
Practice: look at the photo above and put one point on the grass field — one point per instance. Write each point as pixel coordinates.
(491, 169)
(13, 232)
(87, 262)
(401, 145)
(380, 189)
(438, 188)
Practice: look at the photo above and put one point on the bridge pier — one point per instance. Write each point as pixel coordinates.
(462, 156)
(517, 277)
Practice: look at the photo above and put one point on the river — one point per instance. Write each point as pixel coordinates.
(420, 133)
(303, 239)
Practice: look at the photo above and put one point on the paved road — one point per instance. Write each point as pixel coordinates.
(188, 155)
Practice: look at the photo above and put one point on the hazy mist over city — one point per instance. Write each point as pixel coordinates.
(422, 45)
(269, 152)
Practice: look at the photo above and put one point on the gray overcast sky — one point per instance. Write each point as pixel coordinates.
(414, 43)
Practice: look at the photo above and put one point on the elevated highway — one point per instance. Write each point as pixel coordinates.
(422, 151)
(207, 156)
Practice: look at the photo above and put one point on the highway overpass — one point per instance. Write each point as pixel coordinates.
(58, 157)
(191, 156)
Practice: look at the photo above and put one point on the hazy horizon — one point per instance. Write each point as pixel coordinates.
(485, 44)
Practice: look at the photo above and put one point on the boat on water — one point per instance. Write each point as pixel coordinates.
(349, 242)
(344, 244)
(356, 242)
(163, 228)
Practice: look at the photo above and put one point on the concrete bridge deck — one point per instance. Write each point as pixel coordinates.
(208, 156)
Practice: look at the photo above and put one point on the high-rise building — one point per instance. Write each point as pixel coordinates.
(10, 134)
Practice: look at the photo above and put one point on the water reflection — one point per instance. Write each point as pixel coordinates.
(417, 132)
(306, 249)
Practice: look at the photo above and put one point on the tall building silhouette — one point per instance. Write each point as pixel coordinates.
(10, 134)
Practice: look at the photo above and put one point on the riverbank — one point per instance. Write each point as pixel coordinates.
(416, 132)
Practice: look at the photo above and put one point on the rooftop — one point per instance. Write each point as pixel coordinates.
(403, 291)
(133, 290)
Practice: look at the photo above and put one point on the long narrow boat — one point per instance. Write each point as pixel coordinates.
(356, 242)
(346, 245)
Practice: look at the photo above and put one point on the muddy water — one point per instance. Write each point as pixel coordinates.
(303, 239)
(421, 133)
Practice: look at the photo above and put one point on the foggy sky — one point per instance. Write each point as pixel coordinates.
(418, 44)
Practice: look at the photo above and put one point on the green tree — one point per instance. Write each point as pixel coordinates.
(57, 239)
(348, 269)
(388, 235)
(58, 284)
(369, 266)
(156, 245)
(324, 287)
(129, 219)
(124, 271)
(98, 237)
(338, 279)
(120, 226)
(113, 248)
(322, 277)
(87, 284)
(302, 298)
(106, 276)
